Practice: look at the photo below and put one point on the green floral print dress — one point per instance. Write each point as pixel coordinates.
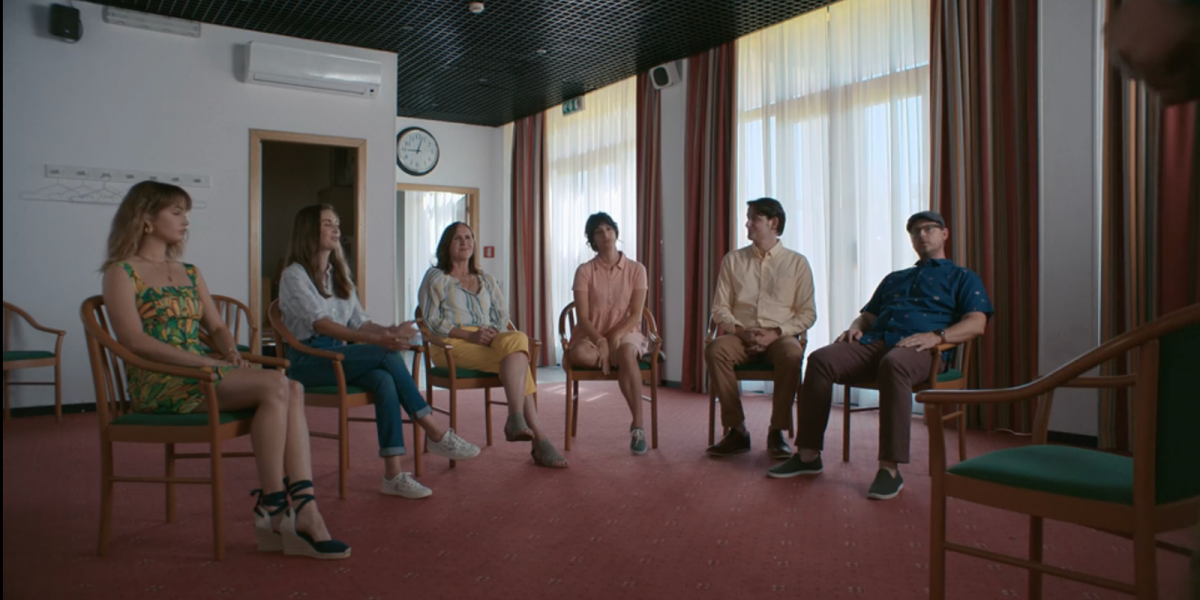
(169, 314)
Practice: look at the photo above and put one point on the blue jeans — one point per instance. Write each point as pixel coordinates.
(374, 369)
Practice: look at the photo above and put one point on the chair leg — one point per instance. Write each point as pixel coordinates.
(567, 427)
(343, 449)
(7, 414)
(106, 497)
(218, 506)
(846, 423)
(1145, 571)
(712, 415)
(58, 392)
(937, 548)
(654, 412)
(575, 414)
(417, 435)
(487, 415)
(962, 433)
(454, 415)
(1035, 555)
(170, 472)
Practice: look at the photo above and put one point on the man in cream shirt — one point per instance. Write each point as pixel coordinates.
(764, 300)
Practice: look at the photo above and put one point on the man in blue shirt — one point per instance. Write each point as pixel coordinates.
(912, 311)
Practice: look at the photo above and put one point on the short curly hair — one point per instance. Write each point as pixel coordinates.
(594, 222)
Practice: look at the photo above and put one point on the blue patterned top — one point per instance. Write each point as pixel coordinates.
(928, 296)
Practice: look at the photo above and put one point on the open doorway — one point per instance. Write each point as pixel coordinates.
(422, 212)
(289, 171)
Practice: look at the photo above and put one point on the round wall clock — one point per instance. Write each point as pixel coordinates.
(416, 151)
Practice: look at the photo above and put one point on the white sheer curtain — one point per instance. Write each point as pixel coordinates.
(426, 214)
(591, 164)
(833, 121)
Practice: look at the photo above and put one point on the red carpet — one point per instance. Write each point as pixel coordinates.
(670, 524)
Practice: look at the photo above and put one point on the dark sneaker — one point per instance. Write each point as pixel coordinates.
(794, 466)
(885, 487)
(734, 442)
(777, 446)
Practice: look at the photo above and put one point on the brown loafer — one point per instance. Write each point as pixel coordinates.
(734, 442)
(777, 446)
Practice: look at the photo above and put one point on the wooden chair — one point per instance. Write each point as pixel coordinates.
(454, 379)
(953, 378)
(31, 359)
(119, 424)
(235, 314)
(1155, 490)
(649, 367)
(755, 370)
(341, 396)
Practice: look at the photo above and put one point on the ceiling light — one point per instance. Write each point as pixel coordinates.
(475, 7)
(152, 22)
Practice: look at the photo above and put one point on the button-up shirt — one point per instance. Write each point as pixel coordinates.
(609, 290)
(446, 304)
(931, 295)
(301, 305)
(765, 289)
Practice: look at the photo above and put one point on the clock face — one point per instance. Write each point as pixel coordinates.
(416, 151)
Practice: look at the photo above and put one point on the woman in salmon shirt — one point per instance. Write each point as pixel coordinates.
(610, 291)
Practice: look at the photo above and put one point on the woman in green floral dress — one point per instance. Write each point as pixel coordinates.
(157, 306)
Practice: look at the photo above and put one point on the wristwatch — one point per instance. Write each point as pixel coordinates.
(941, 333)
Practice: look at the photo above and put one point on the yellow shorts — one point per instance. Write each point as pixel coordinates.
(486, 358)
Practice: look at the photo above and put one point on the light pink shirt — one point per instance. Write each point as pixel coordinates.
(609, 290)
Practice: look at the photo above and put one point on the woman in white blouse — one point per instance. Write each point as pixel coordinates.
(461, 302)
(320, 307)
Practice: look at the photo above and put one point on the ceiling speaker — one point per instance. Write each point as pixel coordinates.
(664, 75)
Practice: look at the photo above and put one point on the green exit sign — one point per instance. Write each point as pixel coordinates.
(573, 105)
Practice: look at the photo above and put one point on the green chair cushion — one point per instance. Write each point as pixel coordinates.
(643, 364)
(444, 373)
(332, 390)
(1177, 445)
(754, 366)
(196, 419)
(13, 355)
(949, 375)
(240, 347)
(1064, 470)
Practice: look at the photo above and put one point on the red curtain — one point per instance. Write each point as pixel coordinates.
(649, 194)
(711, 102)
(530, 300)
(985, 178)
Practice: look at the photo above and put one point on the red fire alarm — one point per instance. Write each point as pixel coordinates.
(489, 252)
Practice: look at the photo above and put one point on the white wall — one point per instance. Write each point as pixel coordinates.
(131, 99)
(674, 138)
(470, 156)
(1070, 286)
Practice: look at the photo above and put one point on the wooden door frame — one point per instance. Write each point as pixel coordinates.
(257, 137)
(472, 195)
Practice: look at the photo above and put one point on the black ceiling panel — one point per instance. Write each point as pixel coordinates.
(514, 59)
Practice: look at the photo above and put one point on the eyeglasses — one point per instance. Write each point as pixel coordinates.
(925, 229)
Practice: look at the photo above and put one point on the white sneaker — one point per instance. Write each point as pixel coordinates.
(404, 485)
(453, 447)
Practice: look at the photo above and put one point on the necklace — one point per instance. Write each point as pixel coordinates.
(166, 264)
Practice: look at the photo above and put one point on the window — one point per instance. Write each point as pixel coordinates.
(591, 167)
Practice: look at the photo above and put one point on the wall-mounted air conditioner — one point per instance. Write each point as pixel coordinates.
(269, 64)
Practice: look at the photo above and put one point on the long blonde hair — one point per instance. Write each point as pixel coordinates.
(306, 245)
(142, 203)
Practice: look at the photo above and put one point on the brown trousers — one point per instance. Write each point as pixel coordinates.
(728, 351)
(895, 370)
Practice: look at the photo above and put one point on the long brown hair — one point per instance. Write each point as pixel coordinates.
(443, 250)
(141, 204)
(306, 246)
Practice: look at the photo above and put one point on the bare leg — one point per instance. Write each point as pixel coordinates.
(584, 354)
(629, 376)
(513, 369)
(279, 433)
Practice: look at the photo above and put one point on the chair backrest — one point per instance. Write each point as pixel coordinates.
(1176, 444)
(567, 320)
(107, 358)
(234, 313)
(284, 338)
